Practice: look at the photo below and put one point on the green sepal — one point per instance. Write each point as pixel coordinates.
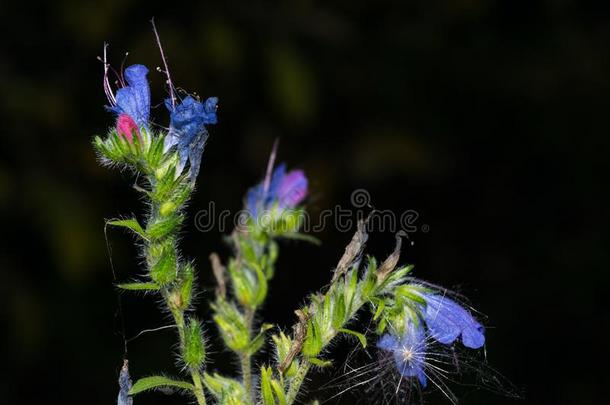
(131, 224)
(313, 340)
(359, 335)
(279, 392)
(395, 277)
(154, 155)
(339, 311)
(351, 289)
(149, 286)
(158, 381)
(266, 390)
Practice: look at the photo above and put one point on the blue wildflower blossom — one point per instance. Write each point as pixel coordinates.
(286, 189)
(187, 130)
(134, 99)
(408, 351)
(446, 320)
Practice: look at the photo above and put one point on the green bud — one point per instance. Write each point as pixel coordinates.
(162, 261)
(186, 287)
(194, 346)
(163, 227)
(232, 325)
(167, 208)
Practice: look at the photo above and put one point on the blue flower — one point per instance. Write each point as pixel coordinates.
(187, 130)
(447, 320)
(134, 99)
(408, 351)
(287, 190)
(125, 385)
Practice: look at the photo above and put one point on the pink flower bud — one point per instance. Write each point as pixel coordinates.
(126, 127)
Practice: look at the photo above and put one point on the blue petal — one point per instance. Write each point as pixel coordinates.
(276, 181)
(188, 132)
(447, 320)
(421, 376)
(209, 107)
(134, 99)
(414, 341)
(388, 342)
(195, 153)
(253, 199)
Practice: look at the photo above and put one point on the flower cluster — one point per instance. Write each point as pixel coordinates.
(188, 120)
(435, 318)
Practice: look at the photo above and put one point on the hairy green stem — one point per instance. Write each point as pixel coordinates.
(178, 314)
(246, 358)
(196, 377)
(297, 381)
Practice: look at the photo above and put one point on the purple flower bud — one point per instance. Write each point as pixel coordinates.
(126, 127)
(288, 190)
(292, 190)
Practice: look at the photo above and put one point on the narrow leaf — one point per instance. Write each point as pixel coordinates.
(150, 286)
(131, 224)
(319, 362)
(157, 381)
(279, 392)
(359, 335)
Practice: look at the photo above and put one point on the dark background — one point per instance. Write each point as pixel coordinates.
(488, 118)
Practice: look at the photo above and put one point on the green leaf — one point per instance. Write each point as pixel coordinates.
(301, 236)
(150, 286)
(131, 224)
(157, 381)
(258, 341)
(359, 335)
(380, 307)
(319, 362)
